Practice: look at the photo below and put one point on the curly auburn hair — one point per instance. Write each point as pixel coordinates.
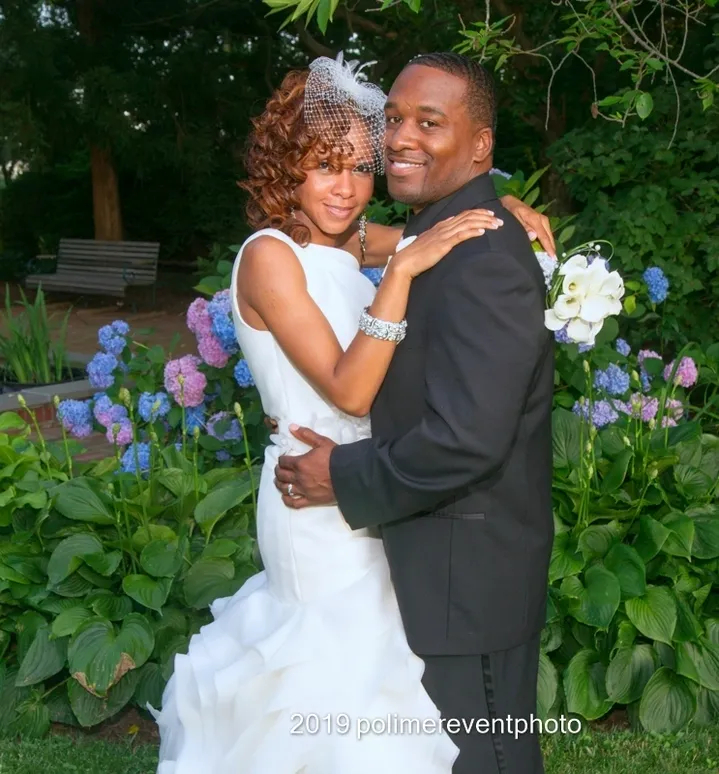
(281, 148)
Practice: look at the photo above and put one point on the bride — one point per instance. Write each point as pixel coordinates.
(306, 669)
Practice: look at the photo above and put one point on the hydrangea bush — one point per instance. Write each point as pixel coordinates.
(108, 568)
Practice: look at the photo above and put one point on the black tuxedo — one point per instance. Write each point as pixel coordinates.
(458, 471)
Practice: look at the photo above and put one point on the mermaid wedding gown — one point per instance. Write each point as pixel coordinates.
(305, 669)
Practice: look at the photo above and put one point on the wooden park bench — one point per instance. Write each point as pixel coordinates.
(100, 268)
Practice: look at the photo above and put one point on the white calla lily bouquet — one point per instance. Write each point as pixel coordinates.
(582, 294)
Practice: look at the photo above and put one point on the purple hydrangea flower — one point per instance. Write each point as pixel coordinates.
(602, 414)
(223, 456)
(561, 336)
(623, 348)
(640, 407)
(76, 417)
(657, 284)
(613, 380)
(99, 370)
(146, 406)
(242, 374)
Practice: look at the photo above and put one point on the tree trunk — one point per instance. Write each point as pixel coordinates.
(105, 196)
(107, 212)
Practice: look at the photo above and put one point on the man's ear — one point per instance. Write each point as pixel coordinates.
(483, 145)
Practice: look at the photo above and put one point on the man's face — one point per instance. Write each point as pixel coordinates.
(433, 146)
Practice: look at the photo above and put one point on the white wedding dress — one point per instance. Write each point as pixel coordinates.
(305, 669)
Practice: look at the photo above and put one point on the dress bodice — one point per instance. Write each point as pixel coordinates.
(341, 291)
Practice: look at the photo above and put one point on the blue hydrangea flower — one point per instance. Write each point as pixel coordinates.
(76, 417)
(613, 381)
(561, 336)
(146, 405)
(374, 275)
(110, 338)
(622, 347)
(120, 327)
(195, 417)
(222, 456)
(657, 284)
(99, 370)
(585, 347)
(602, 412)
(128, 462)
(220, 313)
(233, 432)
(242, 374)
(646, 380)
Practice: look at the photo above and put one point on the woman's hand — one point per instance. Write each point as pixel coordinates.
(430, 247)
(536, 225)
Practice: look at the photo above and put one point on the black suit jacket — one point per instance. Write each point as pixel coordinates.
(458, 471)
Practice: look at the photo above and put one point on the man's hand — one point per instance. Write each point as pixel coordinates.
(308, 474)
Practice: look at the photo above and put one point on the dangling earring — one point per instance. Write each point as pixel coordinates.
(363, 237)
(292, 212)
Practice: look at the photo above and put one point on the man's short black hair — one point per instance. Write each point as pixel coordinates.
(481, 88)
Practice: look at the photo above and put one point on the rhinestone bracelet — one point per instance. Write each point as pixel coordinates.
(380, 329)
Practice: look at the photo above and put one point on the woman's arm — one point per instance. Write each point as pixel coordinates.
(272, 295)
(382, 240)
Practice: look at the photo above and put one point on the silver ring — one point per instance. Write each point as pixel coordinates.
(289, 490)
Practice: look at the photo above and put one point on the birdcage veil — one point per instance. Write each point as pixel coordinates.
(346, 111)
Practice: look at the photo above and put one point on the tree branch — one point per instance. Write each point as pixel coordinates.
(362, 23)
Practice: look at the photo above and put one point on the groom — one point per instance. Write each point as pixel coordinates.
(458, 472)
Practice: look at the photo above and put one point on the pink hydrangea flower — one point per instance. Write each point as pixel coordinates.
(686, 375)
(640, 407)
(645, 353)
(192, 392)
(668, 422)
(198, 318)
(212, 352)
(123, 437)
(674, 410)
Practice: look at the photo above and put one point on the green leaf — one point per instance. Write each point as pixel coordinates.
(652, 536)
(9, 420)
(584, 685)
(566, 559)
(615, 476)
(706, 533)
(217, 502)
(179, 482)
(599, 599)
(222, 547)
(207, 580)
(681, 535)
(91, 710)
(68, 555)
(105, 564)
(565, 438)
(156, 532)
(547, 684)
(597, 539)
(667, 703)
(699, 662)
(161, 558)
(32, 720)
(69, 621)
(645, 105)
(110, 606)
(149, 592)
(150, 686)
(626, 564)
(45, 658)
(654, 613)
(688, 628)
(98, 657)
(629, 672)
(78, 499)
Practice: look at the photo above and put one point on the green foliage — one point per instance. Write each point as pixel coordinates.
(633, 614)
(658, 206)
(104, 575)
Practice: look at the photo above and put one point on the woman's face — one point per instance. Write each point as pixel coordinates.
(333, 196)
